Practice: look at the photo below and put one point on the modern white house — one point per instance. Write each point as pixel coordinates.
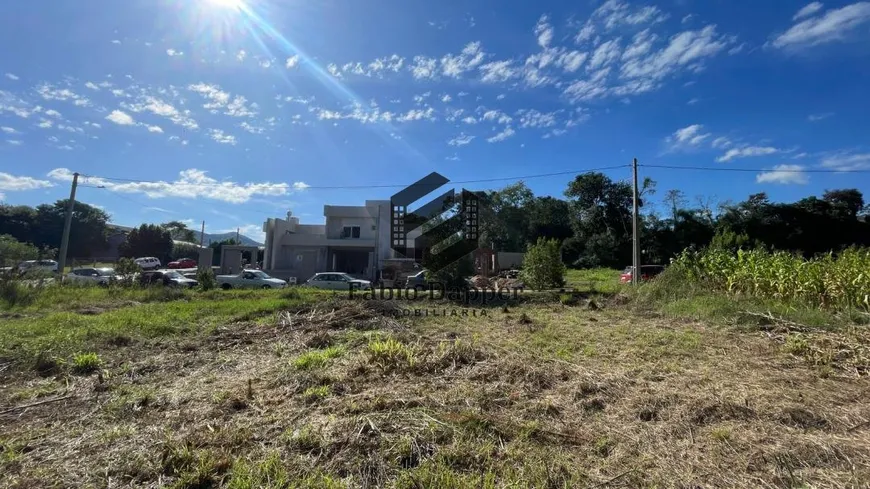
(354, 240)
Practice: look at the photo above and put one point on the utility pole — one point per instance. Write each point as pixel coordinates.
(202, 234)
(67, 224)
(635, 230)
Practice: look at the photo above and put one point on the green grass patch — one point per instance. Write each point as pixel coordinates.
(390, 354)
(85, 363)
(317, 358)
(600, 280)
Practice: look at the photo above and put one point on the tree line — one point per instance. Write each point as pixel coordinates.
(35, 232)
(592, 224)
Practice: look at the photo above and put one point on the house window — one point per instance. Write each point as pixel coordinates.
(350, 232)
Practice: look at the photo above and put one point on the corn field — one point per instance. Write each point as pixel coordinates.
(832, 281)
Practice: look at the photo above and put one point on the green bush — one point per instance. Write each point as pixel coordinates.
(542, 265)
(205, 277)
(126, 269)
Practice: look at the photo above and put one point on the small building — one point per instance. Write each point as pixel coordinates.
(354, 240)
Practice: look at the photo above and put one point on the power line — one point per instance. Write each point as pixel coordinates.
(339, 187)
(753, 170)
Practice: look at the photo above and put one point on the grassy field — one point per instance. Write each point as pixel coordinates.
(248, 389)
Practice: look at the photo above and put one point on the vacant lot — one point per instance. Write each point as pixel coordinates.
(287, 389)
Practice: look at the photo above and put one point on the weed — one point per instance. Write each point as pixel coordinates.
(317, 358)
(316, 393)
(85, 363)
(305, 438)
(390, 354)
(720, 433)
(796, 344)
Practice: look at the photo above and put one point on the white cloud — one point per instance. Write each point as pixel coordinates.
(120, 118)
(93, 86)
(818, 117)
(641, 44)
(808, 10)
(221, 137)
(418, 114)
(9, 130)
(688, 136)
(172, 52)
(535, 118)
(721, 142)
(693, 101)
(251, 128)
(504, 134)
(497, 72)
(461, 140)
(585, 33)
(746, 152)
(834, 25)
(115, 41)
(455, 65)
(784, 174)
(191, 184)
(45, 124)
(49, 92)
(14, 183)
(15, 142)
(544, 32)
(423, 67)
(11, 76)
(156, 129)
(218, 99)
(571, 61)
(292, 61)
(446, 98)
(266, 63)
(241, 55)
(687, 50)
(614, 13)
(53, 113)
(847, 161)
(499, 116)
(469, 120)
(606, 53)
(593, 87)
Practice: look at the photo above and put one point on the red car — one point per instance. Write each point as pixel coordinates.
(182, 263)
(646, 272)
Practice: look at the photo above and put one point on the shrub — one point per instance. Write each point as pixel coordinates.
(542, 265)
(85, 363)
(205, 278)
(390, 353)
(14, 293)
(126, 270)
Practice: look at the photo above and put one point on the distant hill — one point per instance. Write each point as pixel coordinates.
(209, 238)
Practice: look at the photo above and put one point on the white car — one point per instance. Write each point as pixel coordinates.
(148, 263)
(37, 266)
(97, 276)
(337, 281)
(250, 279)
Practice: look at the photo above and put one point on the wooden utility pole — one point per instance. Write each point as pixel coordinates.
(202, 234)
(635, 230)
(67, 225)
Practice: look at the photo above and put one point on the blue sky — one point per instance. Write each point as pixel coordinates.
(233, 111)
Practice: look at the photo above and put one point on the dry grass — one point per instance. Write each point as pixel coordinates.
(542, 395)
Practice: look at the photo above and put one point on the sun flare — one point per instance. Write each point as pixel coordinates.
(231, 4)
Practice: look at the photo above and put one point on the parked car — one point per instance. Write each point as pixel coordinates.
(147, 263)
(96, 276)
(646, 272)
(336, 281)
(250, 279)
(30, 266)
(417, 281)
(167, 278)
(182, 263)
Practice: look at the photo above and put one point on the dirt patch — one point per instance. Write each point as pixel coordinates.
(714, 413)
(799, 417)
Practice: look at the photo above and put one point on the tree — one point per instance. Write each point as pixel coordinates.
(19, 222)
(542, 265)
(675, 200)
(504, 218)
(87, 234)
(148, 240)
(183, 250)
(179, 231)
(548, 217)
(13, 251)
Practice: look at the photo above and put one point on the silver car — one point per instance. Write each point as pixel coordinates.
(337, 281)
